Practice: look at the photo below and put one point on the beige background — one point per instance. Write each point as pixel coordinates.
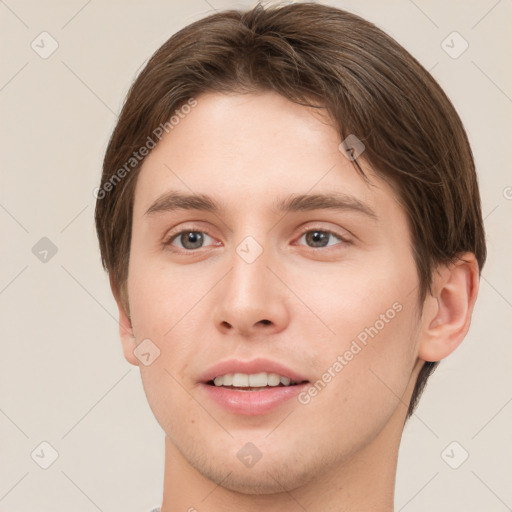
(63, 378)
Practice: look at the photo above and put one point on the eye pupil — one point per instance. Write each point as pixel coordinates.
(319, 238)
(195, 238)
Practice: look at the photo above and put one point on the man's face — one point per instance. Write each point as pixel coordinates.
(304, 288)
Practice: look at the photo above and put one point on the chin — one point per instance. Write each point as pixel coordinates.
(265, 481)
(269, 475)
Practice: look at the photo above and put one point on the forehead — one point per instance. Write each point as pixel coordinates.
(254, 149)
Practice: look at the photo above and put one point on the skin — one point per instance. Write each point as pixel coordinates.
(298, 303)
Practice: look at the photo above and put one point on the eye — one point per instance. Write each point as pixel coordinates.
(318, 238)
(189, 239)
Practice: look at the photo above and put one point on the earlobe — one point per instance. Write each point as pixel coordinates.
(128, 340)
(448, 310)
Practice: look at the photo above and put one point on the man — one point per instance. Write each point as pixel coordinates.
(290, 218)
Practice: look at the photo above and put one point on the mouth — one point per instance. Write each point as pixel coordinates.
(251, 388)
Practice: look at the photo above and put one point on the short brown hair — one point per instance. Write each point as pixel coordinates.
(324, 57)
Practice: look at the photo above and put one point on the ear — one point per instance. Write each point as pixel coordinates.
(447, 311)
(125, 323)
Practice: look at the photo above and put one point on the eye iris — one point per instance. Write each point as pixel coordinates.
(191, 237)
(318, 238)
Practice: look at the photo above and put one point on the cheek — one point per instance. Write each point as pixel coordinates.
(166, 308)
(159, 297)
(364, 298)
(368, 334)
(362, 377)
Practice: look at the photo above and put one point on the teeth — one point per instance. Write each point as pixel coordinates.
(254, 380)
(258, 380)
(273, 379)
(240, 380)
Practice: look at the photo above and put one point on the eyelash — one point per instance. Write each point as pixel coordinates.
(194, 229)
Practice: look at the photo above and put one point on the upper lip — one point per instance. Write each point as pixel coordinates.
(250, 367)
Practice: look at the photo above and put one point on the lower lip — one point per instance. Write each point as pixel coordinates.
(252, 403)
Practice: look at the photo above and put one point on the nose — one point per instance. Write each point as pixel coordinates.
(251, 300)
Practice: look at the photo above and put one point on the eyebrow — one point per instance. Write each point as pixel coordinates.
(174, 200)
